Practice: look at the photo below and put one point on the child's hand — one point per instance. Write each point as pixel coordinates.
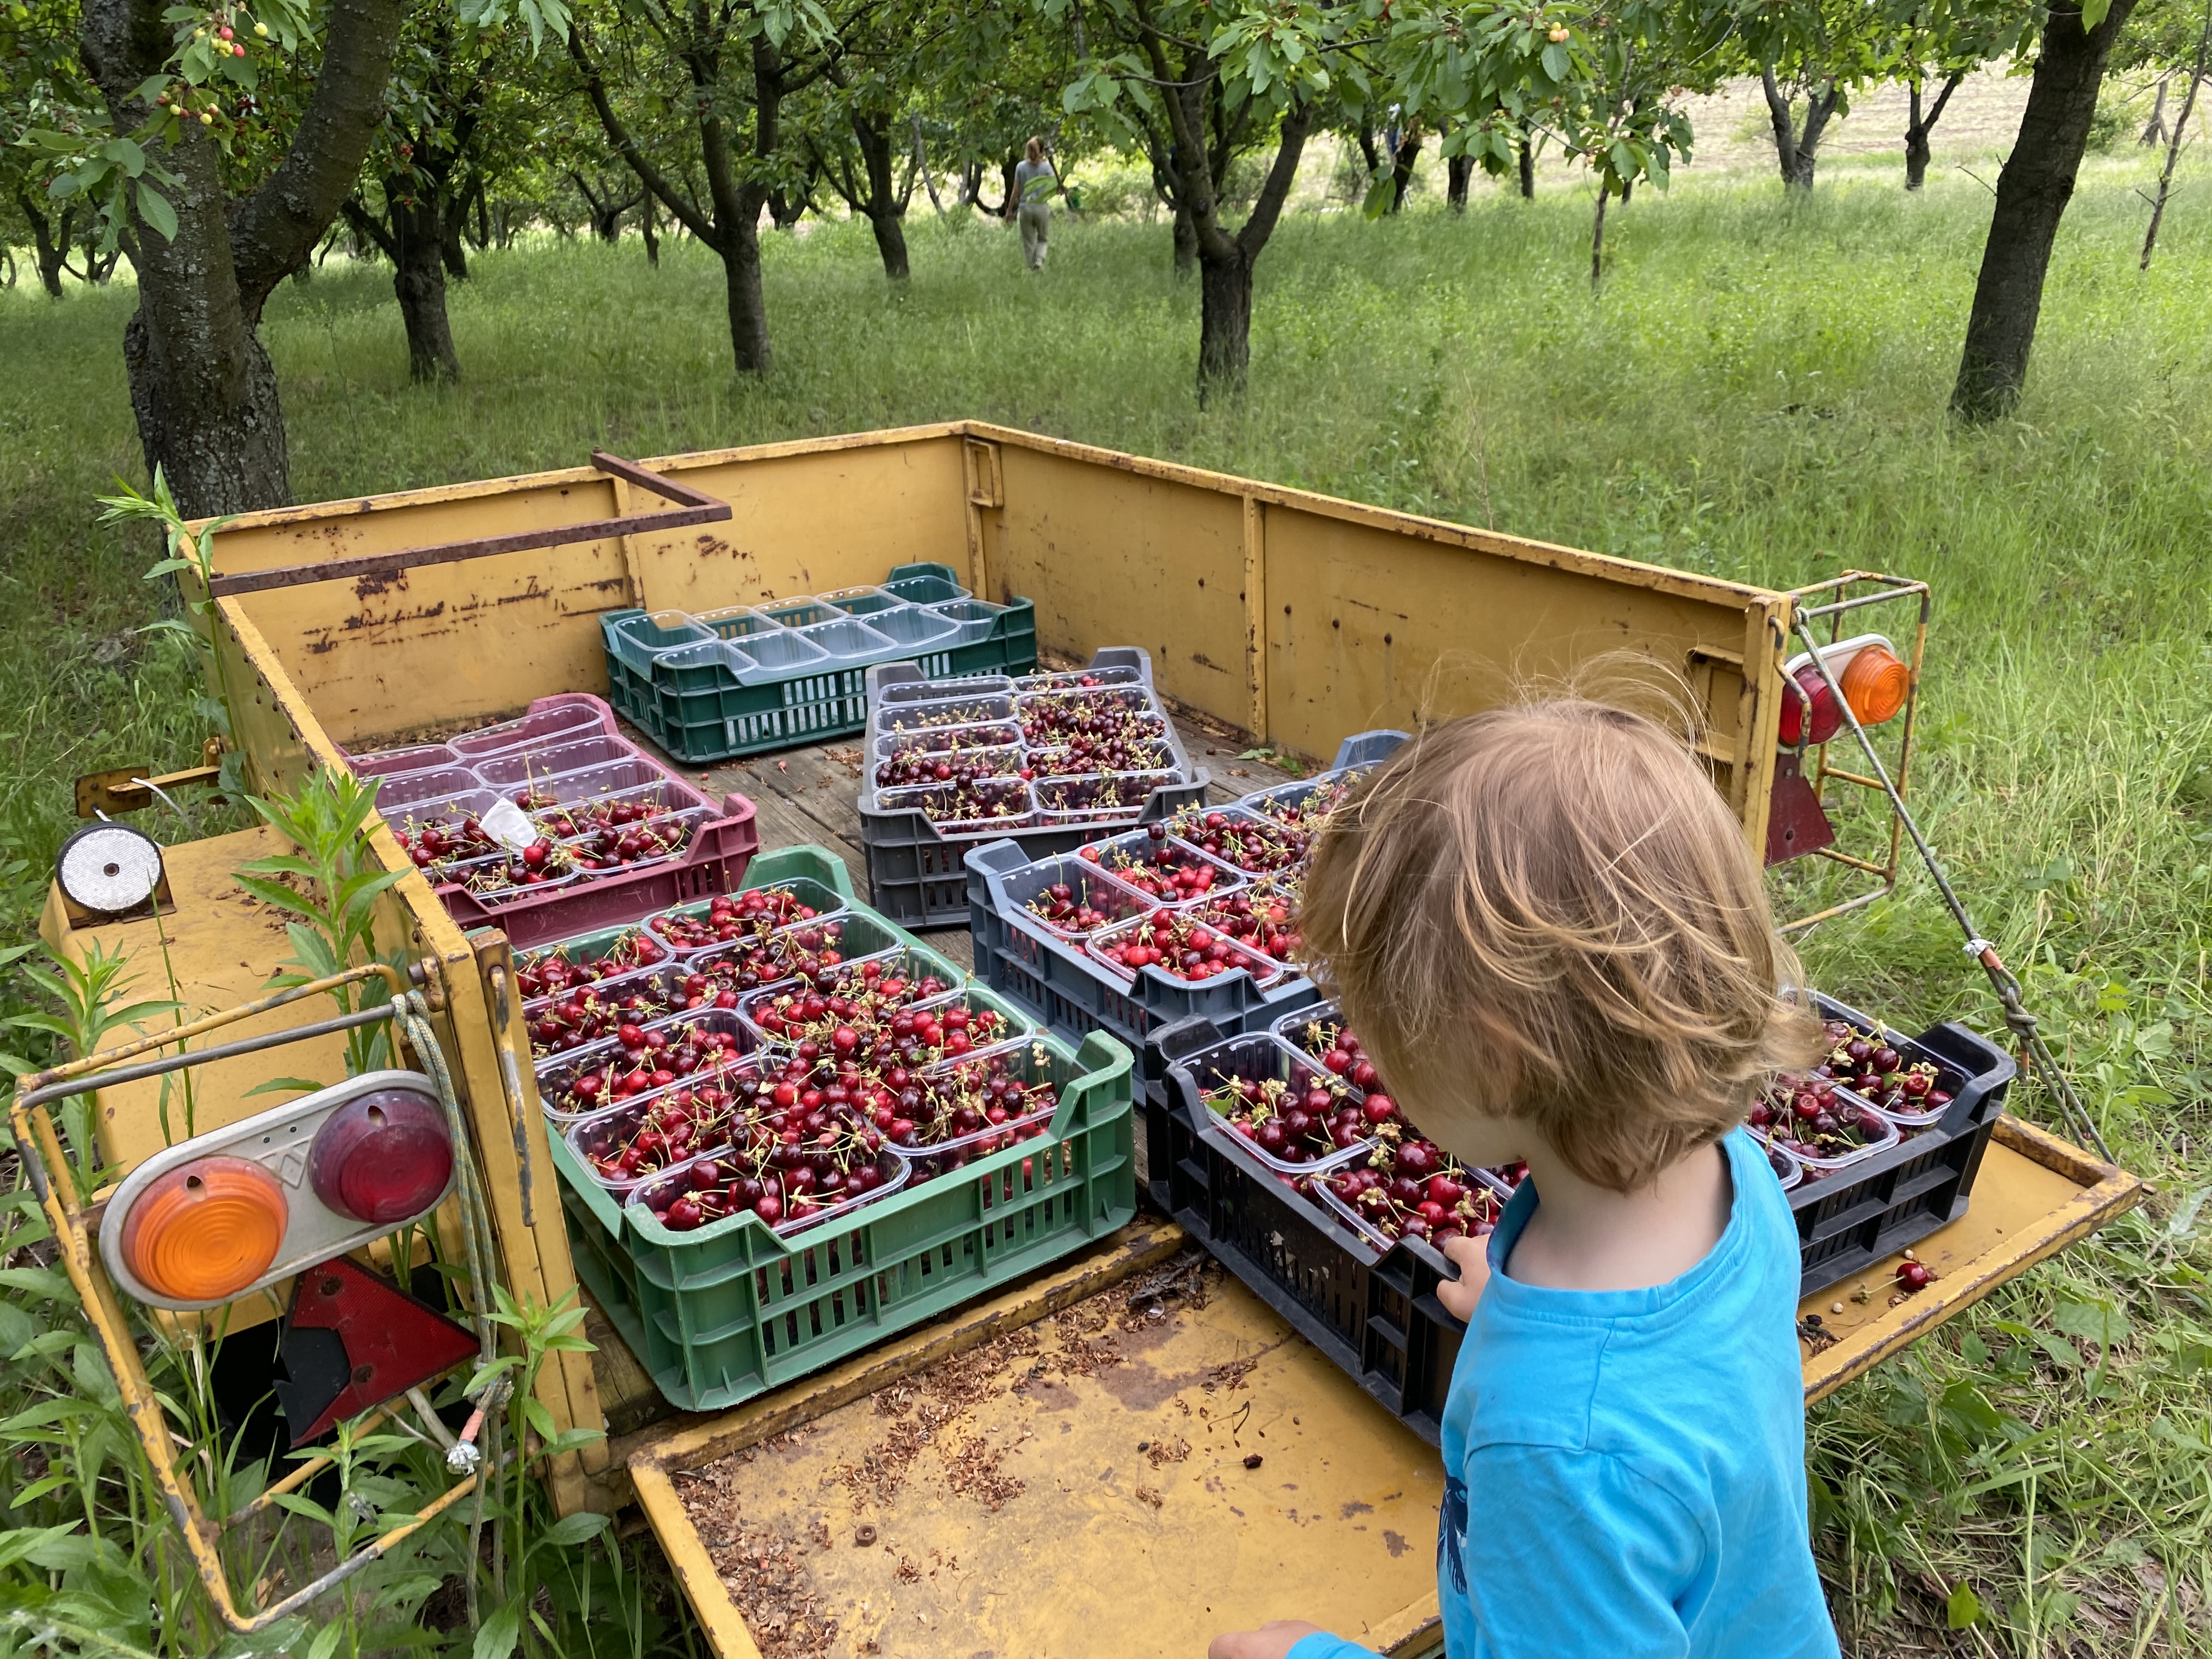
(1271, 1641)
(1472, 1257)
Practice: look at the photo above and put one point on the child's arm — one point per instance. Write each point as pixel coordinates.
(1283, 1639)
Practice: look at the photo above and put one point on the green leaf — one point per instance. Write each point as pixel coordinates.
(1963, 1607)
(2093, 13)
(2093, 1322)
(327, 1639)
(2062, 1353)
(278, 1085)
(47, 1282)
(572, 1530)
(497, 1636)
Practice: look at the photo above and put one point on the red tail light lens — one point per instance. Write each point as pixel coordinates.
(1827, 714)
(383, 1157)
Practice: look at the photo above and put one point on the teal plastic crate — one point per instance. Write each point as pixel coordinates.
(745, 681)
(722, 1315)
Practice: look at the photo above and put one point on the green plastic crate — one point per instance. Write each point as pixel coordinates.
(702, 712)
(722, 1315)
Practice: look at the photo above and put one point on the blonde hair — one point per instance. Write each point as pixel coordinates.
(1034, 149)
(1548, 913)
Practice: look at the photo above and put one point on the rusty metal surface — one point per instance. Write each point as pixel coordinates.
(692, 509)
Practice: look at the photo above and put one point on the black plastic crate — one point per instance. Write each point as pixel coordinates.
(915, 872)
(1852, 1219)
(1074, 994)
(1375, 1313)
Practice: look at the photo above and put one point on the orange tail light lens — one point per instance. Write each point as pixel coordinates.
(1875, 685)
(207, 1230)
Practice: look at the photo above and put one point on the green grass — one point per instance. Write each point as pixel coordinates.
(1759, 392)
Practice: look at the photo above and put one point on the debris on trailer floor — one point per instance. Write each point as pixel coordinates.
(1158, 1460)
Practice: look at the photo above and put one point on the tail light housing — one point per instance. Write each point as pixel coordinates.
(1876, 683)
(239, 1207)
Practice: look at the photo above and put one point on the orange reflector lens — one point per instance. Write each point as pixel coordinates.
(1876, 685)
(207, 1230)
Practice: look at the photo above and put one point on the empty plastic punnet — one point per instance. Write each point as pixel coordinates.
(548, 721)
(845, 639)
(779, 651)
(408, 788)
(912, 628)
(538, 762)
(861, 601)
(416, 758)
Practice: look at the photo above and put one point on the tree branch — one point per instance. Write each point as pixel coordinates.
(650, 176)
(366, 225)
(273, 231)
(1298, 122)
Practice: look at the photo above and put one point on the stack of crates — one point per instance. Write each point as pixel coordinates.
(744, 679)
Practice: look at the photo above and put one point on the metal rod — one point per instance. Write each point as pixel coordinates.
(1837, 607)
(698, 509)
(1871, 869)
(2002, 981)
(107, 1057)
(85, 1085)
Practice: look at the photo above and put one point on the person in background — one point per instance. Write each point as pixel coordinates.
(1035, 181)
(1545, 925)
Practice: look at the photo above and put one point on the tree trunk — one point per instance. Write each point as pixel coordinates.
(1401, 167)
(1225, 262)
(201, 385)
(1455, 177)
(1597, 237)
(2032, 192)
(2173, 144)
(1225, 324)
(1185, 242)
(1780, 118)
(921, 167)
(741, 269)
(651, 235)
(51, 243)
(891, 243)
(1528, 167)
(456, 218)
(1797, 153)
(418, 282)
(874, 137)
(1916, 145)
(2153, 133)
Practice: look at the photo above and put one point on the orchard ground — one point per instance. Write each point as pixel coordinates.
(1759, 391)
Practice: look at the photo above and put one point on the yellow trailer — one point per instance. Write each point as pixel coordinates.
(1278, 619)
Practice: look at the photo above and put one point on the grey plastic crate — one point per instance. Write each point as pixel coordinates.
(1058, 979)
(915, 868)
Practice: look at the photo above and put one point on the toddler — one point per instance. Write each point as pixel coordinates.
(1552, 939)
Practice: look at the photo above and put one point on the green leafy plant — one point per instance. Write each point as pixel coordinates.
(91, 995)
(330, 888)
(193, 551)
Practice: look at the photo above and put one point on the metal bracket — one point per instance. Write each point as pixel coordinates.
(74, 1220)
(128, 789)
(692, 507)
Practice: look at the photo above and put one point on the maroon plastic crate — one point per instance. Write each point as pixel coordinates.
(714, 862)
